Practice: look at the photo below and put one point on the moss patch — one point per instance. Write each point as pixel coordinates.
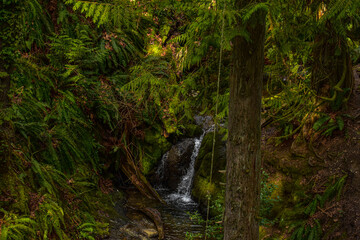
(202, 186)
(155, 146)
(192, 130)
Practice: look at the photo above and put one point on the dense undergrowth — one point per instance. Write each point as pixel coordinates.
(95, 85)
(73, 106)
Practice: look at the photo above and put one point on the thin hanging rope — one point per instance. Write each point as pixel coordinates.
(216, 113)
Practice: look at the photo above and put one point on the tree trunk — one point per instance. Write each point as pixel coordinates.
(243, 146)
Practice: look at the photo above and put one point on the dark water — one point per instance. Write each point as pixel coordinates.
(175, 216)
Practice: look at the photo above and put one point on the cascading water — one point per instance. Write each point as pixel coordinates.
(183, 193)
(184, 189)
(178, 164)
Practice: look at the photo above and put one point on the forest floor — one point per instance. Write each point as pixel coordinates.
(350, 163)
(317, 159)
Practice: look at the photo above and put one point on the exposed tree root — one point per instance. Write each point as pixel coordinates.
(139, 180)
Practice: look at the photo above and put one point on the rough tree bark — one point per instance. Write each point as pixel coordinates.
(243, 147)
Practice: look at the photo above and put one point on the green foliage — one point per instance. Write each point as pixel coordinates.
(125, 18)
(121, 14)
(37, 24)
(154, 85)
(203, 32)
(14, 227)
(301, 37)
(10, 35)
(311, 228)
(51, 219)
(62, 92)
(215, 227)
(267, 201)
(87, 230)
(288, 106)
(340, 12)
(326, 125)
(85, 98)
(307, 232)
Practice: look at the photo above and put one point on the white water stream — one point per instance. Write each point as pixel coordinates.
(183, 192)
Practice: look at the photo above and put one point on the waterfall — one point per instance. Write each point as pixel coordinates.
(184, 189)
(183, 193)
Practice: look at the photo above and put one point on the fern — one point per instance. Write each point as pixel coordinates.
(14, 227)
(36, 23)
(197, 39)
(51, 218)
(326, 125)
(314, 231)
(158, 85)
(122, 15)
(251, 9)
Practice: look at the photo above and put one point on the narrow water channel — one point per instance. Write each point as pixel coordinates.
(176, 217)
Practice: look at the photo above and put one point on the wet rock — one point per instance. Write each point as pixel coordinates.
(140, 224)
(150, 233)
(178, 161)
(131, 231)
(206, 122)
(155, 146)
(202, 185)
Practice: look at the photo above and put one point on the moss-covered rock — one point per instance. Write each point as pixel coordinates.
(155, 146)
(150, 159)
(202, 185)
(192, 130)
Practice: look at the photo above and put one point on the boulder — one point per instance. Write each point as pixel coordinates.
(177, 163)
(206, 122)
(150, 233)
(132, 231)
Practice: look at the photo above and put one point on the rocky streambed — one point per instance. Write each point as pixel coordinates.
(134, 222)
